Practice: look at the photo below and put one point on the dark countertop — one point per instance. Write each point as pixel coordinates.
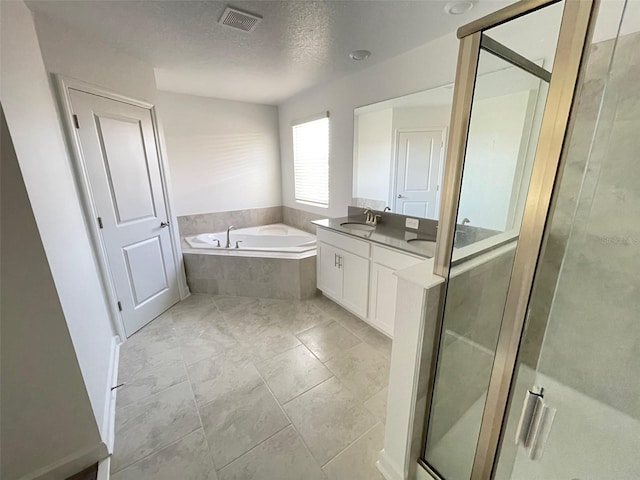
(384, 235)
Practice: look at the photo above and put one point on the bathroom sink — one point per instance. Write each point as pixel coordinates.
(363, 227)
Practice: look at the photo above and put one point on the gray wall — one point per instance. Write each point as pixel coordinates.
(45, 409)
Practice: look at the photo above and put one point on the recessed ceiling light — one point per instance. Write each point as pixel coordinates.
(458, 7)
(359, 55)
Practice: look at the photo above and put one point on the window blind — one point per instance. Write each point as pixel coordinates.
(311, 161)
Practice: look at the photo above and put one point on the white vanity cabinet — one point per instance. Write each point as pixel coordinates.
(384, 285)
(360, 276)
(343, 270)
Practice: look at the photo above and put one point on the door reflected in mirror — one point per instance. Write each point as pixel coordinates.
(399, 152)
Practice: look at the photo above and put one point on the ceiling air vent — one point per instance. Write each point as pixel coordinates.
(238, 19)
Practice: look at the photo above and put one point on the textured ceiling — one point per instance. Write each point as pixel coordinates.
(297, 45)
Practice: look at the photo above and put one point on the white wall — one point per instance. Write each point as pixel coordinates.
(430, 65)
(495, 147)
(376, 143)
(76, 55)
(422, 117)
(32, 121)
(223, 155)
(373, 155)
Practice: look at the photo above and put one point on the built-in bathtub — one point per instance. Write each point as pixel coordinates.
(271, 261)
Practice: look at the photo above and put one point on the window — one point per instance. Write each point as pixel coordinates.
(311, 161)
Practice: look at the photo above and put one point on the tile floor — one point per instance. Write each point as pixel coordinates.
(235, 388)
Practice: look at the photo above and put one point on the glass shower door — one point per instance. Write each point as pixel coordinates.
(509, 97)
(579, 360)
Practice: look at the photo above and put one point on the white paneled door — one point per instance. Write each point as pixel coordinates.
(419, 166)
(120, 156)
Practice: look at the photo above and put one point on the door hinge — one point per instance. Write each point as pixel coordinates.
(76, 122)
(100, 222)
(119, 306)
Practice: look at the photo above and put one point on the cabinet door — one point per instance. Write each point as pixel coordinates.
(355, 289)
(329, 272)
(383, 297)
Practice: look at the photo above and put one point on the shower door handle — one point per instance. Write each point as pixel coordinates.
(535, 423)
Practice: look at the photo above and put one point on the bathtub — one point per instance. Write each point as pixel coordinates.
(272, 261)
(277, 238)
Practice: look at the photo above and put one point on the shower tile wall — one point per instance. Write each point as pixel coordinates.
(593, 322)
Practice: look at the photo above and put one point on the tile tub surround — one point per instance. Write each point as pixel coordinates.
(255, 217)
(219, 221)
(300, 219)
(284, 278)
(232, 388)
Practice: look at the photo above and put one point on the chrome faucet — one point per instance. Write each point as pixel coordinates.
(386, 209)
(465, 220)
(372, 218)
(231, 227)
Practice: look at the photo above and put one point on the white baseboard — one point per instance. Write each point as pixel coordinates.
(109, 420)
(387, 468)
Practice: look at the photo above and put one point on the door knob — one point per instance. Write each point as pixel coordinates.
(164, 224)
(400, 196)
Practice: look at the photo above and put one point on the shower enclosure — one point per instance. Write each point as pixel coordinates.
(536, 374)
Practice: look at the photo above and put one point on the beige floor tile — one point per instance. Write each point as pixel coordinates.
(298, 316)
(329, 418)
(151, 380)
(269, 342)
(328, 340)
(362, 369)
(186, 459)
(358, 461)
(239, 420)
(339, 314)
(192, 302)
(152, 424)
(377, 340)
(293, 372)
(282, 457)
(377, 404)
(214, 377)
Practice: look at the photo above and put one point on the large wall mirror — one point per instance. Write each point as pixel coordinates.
(400, 146)
(399, 152)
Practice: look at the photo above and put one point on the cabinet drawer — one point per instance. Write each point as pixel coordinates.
(344, 242)
(394, 259)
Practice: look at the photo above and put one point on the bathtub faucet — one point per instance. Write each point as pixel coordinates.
(231, 227)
